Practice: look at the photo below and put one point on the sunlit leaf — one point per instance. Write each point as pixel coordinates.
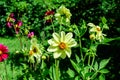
(70, 72)
(75, 66)
(103, 63)
(101, 77)
(96, 66)
(104, 71)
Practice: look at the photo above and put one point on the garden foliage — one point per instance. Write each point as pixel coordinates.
(58, 39)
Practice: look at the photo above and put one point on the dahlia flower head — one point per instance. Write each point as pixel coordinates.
(61, 45)
(63, 14)
(3, 52)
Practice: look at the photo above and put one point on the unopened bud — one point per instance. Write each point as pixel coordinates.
(43, 57)
(92, 37)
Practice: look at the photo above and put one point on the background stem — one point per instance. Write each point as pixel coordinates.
(57, 69)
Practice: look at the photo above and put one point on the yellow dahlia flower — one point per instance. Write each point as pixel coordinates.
(61, 44)
(96, 30)
(63, 14)
(35, 52)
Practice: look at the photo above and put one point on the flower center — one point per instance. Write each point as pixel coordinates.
(0, 52)
(62, 45)
(35, 50)
(98, 29)
(31, 52)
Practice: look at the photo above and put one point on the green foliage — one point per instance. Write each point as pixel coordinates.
(38, 16)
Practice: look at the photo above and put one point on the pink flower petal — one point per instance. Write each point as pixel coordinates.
(19, 23)
(1, 59)
(4, 56)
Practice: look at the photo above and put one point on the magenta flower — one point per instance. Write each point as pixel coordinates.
(31, 34)
(12, 15)
(19, 23)
(3, 52)
(9, 24)
(17, 26)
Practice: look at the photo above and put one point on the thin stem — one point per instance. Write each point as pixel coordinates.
(53, 27)
(0, 77)
(88, 60)
(93, 59)
(80, 44)
(20, 42)
(6, 71)
(84, 57)
(57, 69)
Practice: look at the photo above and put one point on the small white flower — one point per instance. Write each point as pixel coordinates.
(96, 30)
(34, 52)
(61, 44)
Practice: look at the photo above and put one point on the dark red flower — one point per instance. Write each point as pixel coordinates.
(12, 15)
(3, 52)
(49, 13)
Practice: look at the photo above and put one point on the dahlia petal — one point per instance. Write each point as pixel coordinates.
(72, 43)
(63, 55)
(91, 24)
(3, 48)
(4, 56)
(68, 37)
(1, 59)
(62, 36)
(53, 42)
(52, 48)
(57, 54)
(68, 52)
(56, 37)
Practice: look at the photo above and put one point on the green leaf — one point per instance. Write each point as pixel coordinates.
(76, 31)
(83, 29)
(77, 58)
(103, 63)
(104, 20)
(76, 78)
(70, 72)
(96, 66)
(101, 77)
(104, 71)
(75, 66)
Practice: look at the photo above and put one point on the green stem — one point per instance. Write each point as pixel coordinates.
(84, 57)
(88, 60)
(6, 71)
(0, 77)
(20, 42)
(57, 69)
(80, 44)
(53, 27)
(93, 59)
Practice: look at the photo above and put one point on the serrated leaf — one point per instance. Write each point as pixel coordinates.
(101, 77)
(75, 66)
(103, 63)
(70, 72)
(104, 71)
(96, 66)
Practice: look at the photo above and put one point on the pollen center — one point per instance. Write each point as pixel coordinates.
(98, 29)
(62, 45)
(0, 52)
(31, 52)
